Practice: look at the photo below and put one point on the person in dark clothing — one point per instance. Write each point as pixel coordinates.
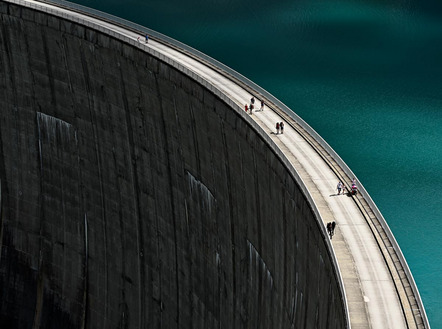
(329, 229)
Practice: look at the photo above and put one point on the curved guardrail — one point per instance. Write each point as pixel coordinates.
(253, 88)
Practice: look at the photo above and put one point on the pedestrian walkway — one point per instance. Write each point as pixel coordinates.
(371, 294)
(373, 298)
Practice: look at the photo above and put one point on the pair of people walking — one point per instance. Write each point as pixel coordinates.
(331, 229)
(280, 127)
(251, 107)
(248, 108)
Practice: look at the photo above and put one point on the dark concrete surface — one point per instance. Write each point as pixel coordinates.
(132, 197)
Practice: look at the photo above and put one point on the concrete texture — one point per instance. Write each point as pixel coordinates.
(133, 197)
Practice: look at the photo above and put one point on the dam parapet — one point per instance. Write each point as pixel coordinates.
(149, 133)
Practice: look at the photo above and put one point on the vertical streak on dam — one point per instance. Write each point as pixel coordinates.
(133, 197)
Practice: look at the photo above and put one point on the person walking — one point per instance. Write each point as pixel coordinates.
(333, 225)
(147, 38)
(262, 105)
(251, 109)
(281, 126)
(339, 187)
(277, 128)
(246, 108)
(329, 229)
(252, 100)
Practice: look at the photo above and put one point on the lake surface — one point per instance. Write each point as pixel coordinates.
(366, 75)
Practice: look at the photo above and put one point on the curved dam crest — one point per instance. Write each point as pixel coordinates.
(134, 197)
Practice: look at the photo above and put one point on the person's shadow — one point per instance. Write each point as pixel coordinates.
(346, 193)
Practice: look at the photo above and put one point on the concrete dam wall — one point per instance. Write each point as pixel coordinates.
(133, 197)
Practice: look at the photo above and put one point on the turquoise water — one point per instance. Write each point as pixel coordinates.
(366, 75)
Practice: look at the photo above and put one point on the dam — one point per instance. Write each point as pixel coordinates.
(136, 192)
